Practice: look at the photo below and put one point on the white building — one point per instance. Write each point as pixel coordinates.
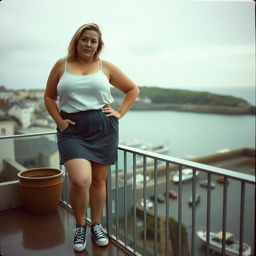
(5, 94)
(6, 145)
(37, 94)
(22, 112)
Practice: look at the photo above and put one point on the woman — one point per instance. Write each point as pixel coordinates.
(87, 126)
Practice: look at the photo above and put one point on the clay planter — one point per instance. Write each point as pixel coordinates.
(41, 189)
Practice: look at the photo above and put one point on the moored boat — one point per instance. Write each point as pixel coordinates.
(231, 245)
(132, 143)
(161, 149)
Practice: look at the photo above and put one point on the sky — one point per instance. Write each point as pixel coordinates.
(198, 45)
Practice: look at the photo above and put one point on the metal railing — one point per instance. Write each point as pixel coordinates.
(166, 164)
(128, 218)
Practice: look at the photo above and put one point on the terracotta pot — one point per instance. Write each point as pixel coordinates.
(41, 189)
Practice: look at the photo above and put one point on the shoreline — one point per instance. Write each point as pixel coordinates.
(240, 110)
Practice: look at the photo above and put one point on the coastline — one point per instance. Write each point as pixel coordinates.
(240, 110)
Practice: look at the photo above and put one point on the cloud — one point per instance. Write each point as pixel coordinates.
(214, 51)
(155, 42)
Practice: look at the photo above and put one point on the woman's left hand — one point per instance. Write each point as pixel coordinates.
(111, 112)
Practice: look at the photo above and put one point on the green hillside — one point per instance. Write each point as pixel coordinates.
(174, 96)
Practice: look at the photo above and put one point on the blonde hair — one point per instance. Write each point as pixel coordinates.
(72, 48)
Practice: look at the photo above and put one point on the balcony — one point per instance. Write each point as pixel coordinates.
(133, 226)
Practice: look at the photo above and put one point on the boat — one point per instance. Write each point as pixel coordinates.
(223, 150)
(187, 174)
(155, 148)
(132, 143)
(232, 245)
(160, 149)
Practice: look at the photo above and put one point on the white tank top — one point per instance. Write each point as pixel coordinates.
(83, 92)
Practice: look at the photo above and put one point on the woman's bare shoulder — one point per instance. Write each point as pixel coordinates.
(59, 66)
(110, 67)
(60, 63)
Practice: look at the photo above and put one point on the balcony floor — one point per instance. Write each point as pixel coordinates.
(22, 234)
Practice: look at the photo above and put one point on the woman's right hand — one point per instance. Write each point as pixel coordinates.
(64, 124)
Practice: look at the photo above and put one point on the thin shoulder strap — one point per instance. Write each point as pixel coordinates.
(65, 64)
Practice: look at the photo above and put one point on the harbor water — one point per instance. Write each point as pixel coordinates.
(188, 134)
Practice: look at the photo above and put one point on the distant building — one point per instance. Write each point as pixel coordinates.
(6, 126)
(36, 94)
(5, 93)
(145, 100)
(20, 111)
(2, 113)
(6, 146)
(22, 94)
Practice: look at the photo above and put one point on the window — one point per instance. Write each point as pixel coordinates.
(3, 132)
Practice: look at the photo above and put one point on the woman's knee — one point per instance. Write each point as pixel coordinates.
(98, 182)
(79, 172)
(82, 183)
(99, 175)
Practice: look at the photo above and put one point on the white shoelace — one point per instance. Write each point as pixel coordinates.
(79, 235)
(98, 232)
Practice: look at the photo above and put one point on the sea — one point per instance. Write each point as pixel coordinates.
(189, 134)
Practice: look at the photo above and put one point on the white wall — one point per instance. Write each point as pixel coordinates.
(6, 145)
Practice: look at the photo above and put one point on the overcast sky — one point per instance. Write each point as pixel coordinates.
(182, 44)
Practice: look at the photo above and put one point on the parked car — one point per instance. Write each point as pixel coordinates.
(172, 194)
(221, 180)
(186, 175)
(204, 183)
(197, 199)
(159, 198)
(149, 204)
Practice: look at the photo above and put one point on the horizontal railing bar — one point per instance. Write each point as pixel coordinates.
(190, 164)
(27, 135)
(174, 160)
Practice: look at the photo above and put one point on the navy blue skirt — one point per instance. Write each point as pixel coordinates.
(94, 137)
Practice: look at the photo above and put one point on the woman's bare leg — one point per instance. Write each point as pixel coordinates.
(80, 175)
(98, 191)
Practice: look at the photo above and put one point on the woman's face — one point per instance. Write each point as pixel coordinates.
(87, 44)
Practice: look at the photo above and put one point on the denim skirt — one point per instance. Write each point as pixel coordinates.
(93, 137)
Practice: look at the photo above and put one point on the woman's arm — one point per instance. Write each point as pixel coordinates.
(118, 79)
(50, 95)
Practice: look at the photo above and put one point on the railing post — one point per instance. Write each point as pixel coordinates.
(241, 236)
(155, 211)
(134, 205)
(224, 217)
(167, 239)
(125, 198)
(116, 200)
(193, 213)
(208, 216)
(145, 211)
(180, 210)
(109, 202)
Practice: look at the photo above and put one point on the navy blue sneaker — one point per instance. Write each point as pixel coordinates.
(79, 243)
(99, 236)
